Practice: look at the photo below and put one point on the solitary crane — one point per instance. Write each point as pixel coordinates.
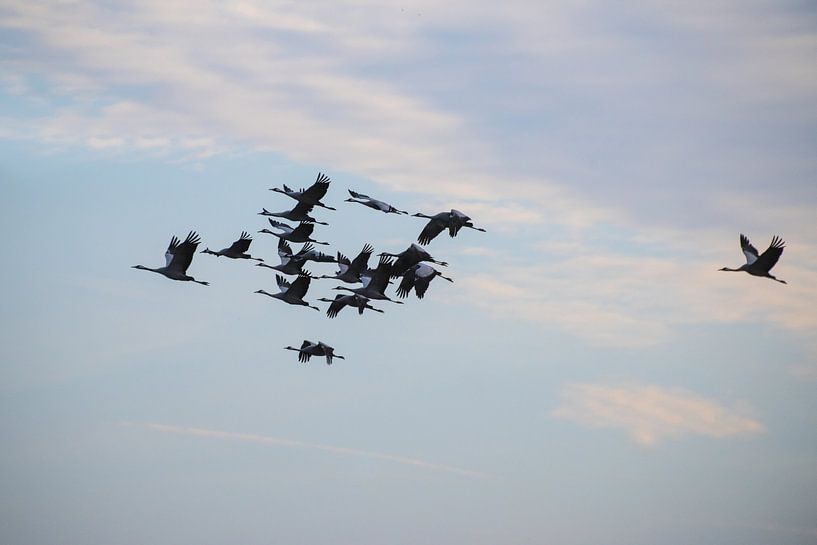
(293, 234)
(299, 213)
(760, 265)
(238, 249)
(418, 277)
(312, 195)
(410, 257)
(351, 300)
(289, 264)
(178, 258)
(375, 287)
(291, 293)
(309, 349)
(454, 220)
(365, 200)
(350, 271)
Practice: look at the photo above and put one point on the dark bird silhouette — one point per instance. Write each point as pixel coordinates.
(293, 234)
(760, 265)
(454, 220)
(311, 195)
(350, 271)
(238, 249)
(292, 293)
(375, 287)
(290, 264)
(409, 257)
(418, 277)
(351, 300)
(299, 213)
(178, 258)
(309, 349)
(365, 200)
(309, 253)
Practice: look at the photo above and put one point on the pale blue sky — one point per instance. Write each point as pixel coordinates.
(588, 378)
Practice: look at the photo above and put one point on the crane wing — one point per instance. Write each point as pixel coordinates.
(406, 284)
(380, 277)
(280, 225)
(302, 209)
(242, 244)
(357, 195)
(304, 229)
(183, 253)
(174, 242)
(317, 190)
(283, 283)
(284, 251)
(769, 258)
(748, 250)
(299, 287)
(361, 262)
(433, 228)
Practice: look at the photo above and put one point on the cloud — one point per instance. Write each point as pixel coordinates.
(651, 413)
(590, 133)
(291, 443)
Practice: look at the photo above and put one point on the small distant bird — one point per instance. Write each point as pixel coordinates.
(350, 271)
(418, 277)
(178, 258)
(299, 213)
(454, 220)
(375, 287)
(293, 234)
(292, 293)
(410, 257)
(760, 265)
(312, 195)
(290, 264)
(238, 249)
(352, 300)
(309, 349)
(365, 200)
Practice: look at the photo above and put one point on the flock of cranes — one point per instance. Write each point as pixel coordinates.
(410, 265)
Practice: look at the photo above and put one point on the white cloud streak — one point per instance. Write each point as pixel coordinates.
(291, 443)
(651, 413)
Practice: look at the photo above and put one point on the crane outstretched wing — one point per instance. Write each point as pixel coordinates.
(769, 258)
(361, 262)
(183, 253)
(317, 190)
(433, 228)
(748, 250)
(242, 244)
(404, 289)
(304, 229)
(299, 287)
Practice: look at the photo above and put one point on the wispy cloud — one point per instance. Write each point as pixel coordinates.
(291, 443)
(651, 413)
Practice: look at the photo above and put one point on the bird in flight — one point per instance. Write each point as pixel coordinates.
(237, 250)
(366, 200)
(309, 349)
(178, 257)
(760, 264)
(311, 195)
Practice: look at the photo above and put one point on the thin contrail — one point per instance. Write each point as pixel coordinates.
(291, 443)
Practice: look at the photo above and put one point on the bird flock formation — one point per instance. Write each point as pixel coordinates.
(410, 266)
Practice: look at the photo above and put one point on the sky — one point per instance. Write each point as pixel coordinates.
(589, 376)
